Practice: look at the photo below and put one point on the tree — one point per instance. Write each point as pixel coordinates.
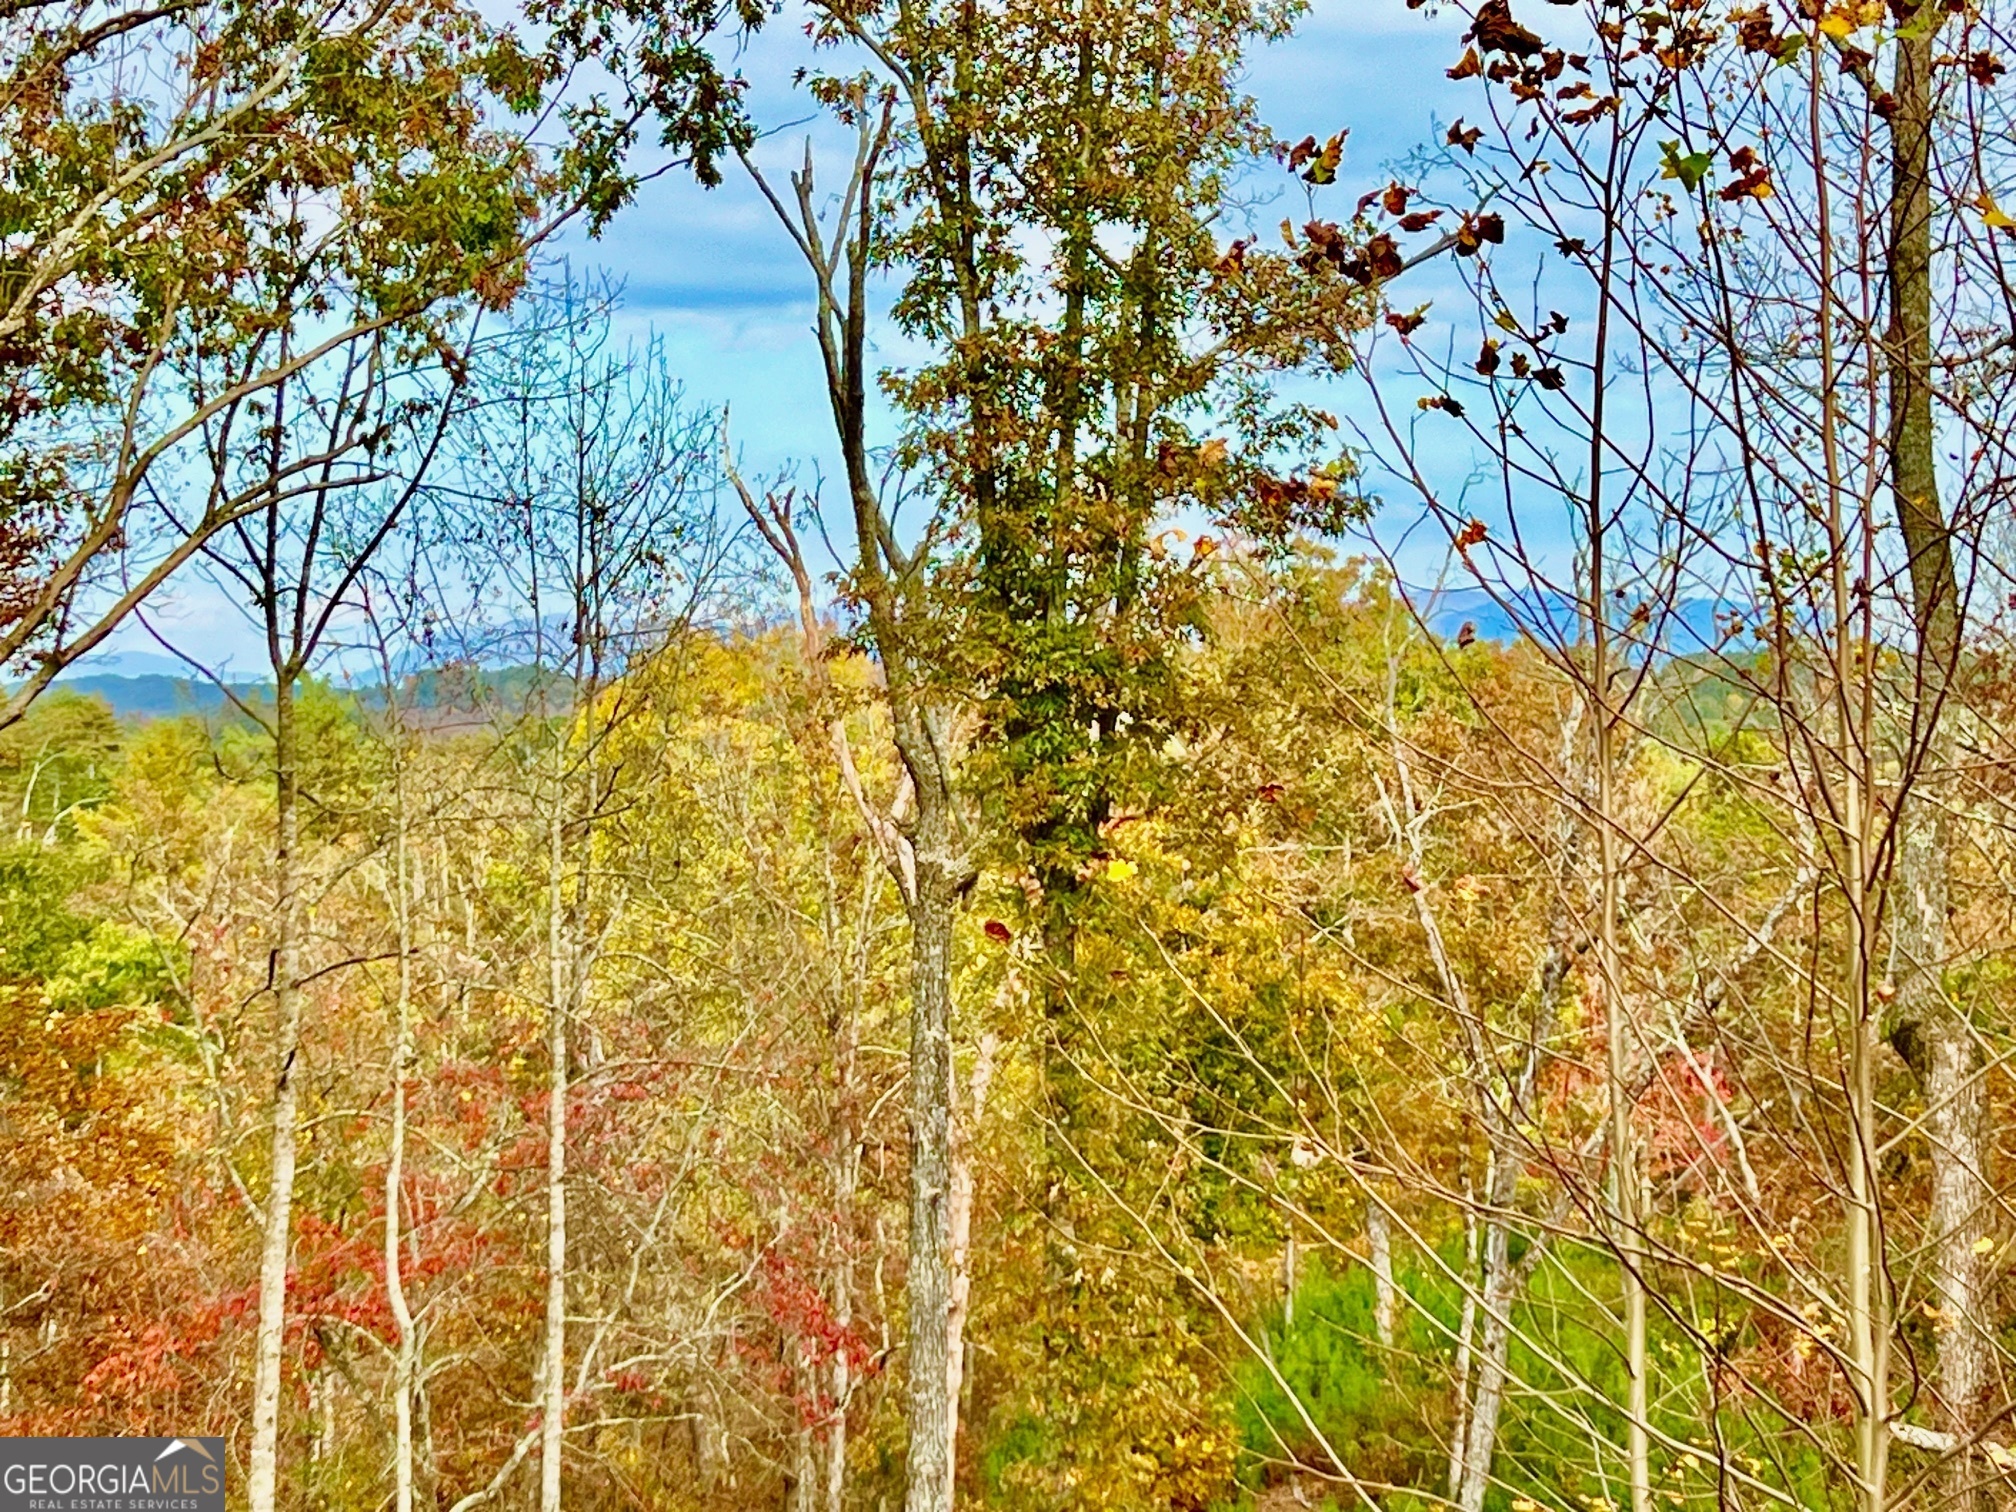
(1023, 623)
(577, 511)
(297, 184)
(1797, 353)
(298, 563)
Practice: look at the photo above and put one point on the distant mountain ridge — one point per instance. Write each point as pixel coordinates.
(140, 686)
(150, 695)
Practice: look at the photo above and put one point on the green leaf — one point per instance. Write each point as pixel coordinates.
(1690, 168)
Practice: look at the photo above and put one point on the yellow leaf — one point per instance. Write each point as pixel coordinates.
(1983, 1245)
(1836, 25)
(1118, 870)
(1992, 213)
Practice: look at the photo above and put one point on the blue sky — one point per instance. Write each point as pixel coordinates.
(712, 274)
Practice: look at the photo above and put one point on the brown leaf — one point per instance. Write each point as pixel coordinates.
(1468, 66)
(1487, 359)
(1393, 200)
(1383, 257)
(1323, 166)
(1753, 30)
(1465, 137)
(1471, 534)
(1477, 230)
(1496, 31)
(1420, 220)
(1408, 323)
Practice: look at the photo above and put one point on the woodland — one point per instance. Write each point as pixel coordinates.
(1367, 862)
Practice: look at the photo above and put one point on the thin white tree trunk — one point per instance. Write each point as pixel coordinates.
(270, 1338)
(965, 1122)
(1466, 1335)
(932, 1407)
(1618, 1033)
(553, 1396)
(1494, 1344)
(1385, 1297)
(402, 1049)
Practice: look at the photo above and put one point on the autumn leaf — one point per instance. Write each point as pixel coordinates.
(1382, 255)
(1472, 534)
(1689, 168)
(1754, 31)
(1487, 359)
(1407, 324)
(1753, 178)
(1420, 220)
(997, 931)
(1476, 230)
(1468, 66)
(1496, 31)
(1465, 137)
(1393, 200)
(1323, 166)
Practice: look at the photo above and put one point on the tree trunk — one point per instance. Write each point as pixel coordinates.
(284, 974)
(960, 1228)
(402, 1048)
(553, 1386)
(1466, 1345)
(1494, 1334)
(844, 1175)
(933, 1348)
(1939, 1042)
(1385, 1297)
